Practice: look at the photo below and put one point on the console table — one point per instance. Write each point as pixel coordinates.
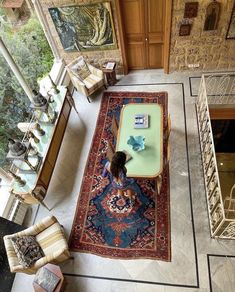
(37, 183)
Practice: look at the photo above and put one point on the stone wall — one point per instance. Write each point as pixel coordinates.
(98, 58)
(209, 49)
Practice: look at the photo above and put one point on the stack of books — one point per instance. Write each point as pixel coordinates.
(141, 121)
(110, 65)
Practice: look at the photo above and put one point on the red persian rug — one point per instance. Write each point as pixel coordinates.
(108, 225)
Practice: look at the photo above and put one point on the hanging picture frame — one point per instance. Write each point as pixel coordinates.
(85, 27)
(190, 9)
(185, 29)
(212, 16)
(231, 27)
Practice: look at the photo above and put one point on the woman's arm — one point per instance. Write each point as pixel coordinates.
(106, 169)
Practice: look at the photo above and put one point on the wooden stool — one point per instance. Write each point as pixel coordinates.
(109, 73)
(47, 279)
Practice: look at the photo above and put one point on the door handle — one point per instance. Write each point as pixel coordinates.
(146, 39)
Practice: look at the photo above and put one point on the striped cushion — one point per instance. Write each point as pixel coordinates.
(52, 239)
(93, 82)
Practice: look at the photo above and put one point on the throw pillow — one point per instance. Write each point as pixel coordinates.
(81, 70)
(27, 250)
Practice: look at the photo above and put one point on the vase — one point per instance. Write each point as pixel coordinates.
(136, 142)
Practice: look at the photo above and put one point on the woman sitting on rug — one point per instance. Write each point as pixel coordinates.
(118, 170)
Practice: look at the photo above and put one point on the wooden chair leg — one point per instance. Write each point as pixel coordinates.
(110, 151)
(88, 99)
(158, 184)
(44, 205)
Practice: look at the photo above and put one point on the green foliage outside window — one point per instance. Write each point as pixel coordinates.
(31, 52)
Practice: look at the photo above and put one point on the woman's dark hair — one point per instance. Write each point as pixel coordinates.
(117, 163)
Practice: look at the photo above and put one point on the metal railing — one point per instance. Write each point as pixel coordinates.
(214, 89)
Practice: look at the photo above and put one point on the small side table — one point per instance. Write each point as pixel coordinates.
(54, 269)
(110, 74)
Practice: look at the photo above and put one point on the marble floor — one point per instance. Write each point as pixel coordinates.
(198, 263)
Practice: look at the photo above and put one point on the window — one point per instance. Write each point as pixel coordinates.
(31, 52)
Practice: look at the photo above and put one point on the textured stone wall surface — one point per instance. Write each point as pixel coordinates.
(209, 49)
(97, 58)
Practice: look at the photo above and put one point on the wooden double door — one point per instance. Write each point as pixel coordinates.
(143, 26)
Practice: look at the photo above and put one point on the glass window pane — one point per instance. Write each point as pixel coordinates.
(28, 46)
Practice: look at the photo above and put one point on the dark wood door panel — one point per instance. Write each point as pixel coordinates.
(144, 32)
(155, 55)
(136, 56)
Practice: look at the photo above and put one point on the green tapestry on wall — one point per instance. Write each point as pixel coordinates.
(85, 27)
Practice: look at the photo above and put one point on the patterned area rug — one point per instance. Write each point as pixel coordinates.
(108, 225)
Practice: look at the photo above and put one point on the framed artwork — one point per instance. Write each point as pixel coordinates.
(185, 29)
(212, 16)
(190, 9)
(85, 27)
(231, 27)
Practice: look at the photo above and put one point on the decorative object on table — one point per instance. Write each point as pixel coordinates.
(137, 143)
(38, 99)
(21, 151)
(109, 73)
(39, 130)
(32, 150)
(85, 27)
(212, 16)
(37, 182)
(110, 65)
(54, 86)
(16, 147)
(185, 29)
(141, 121)
(145, 226)
(31, 135)
(40, 103)
(190, 9)
(17, 178)
(231, 27)
(50, 96)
